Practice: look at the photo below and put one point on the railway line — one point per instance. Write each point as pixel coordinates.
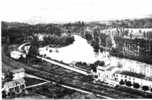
(67, 78)
(57, 81)
(76, 69)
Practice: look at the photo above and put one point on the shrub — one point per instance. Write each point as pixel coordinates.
(88, 36)
(145, 88)
(128, 83)
(121, 82)
(136, 85)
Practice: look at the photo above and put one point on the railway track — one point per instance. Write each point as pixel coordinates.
(69, 80)
(76, 69)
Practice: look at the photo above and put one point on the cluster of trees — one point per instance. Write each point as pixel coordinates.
(129, 84)
(92, 66)
(88, 36)
(33, 50)
(81, 64)
(98, 39)
(99, 63)
(87, 66)
(95, 45)
(145, 50)
(17, 32)
(58, 41)
(54, 40)
(79, 23)
(74, 27)
(103, 38)
(96, 64)
(135, 85)
(95, 41)
(105, 41)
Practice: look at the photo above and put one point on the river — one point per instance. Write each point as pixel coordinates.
(82, 51)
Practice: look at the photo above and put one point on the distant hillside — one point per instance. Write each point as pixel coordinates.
(136, 23)
(8, 25)
(15, 27)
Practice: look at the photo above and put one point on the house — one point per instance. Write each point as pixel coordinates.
(17, 74)
(3, 76)
(17, 54)
(13, 87)
(101, 73)
(21, 51)
(105, 73)
(133, 78)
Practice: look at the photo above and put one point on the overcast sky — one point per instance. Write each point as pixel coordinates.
(46, 11)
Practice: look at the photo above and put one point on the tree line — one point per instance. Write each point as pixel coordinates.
(18, 32)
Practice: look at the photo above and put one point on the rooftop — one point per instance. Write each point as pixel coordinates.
(14, 83)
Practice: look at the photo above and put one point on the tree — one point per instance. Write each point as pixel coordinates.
(93, 67)
(68, 40)
(128, 83)
(108, 42)
(136, 85)
(151, 89)
(33, 51)
(4, 94)
(145, 88)
(100, 63)
(95, 45)
(121, 82)
(131, 36)
(88, 36)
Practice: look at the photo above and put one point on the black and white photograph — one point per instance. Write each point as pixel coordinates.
(76, 49)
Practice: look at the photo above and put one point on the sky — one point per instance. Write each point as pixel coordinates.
(47, 11)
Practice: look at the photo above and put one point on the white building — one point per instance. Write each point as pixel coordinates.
(137, 67)
(15, 86)
(21, 52)
(105, 73)
(17, 54)
(18, 73)
(133, 78)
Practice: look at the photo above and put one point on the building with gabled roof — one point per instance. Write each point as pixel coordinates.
(13, 87)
